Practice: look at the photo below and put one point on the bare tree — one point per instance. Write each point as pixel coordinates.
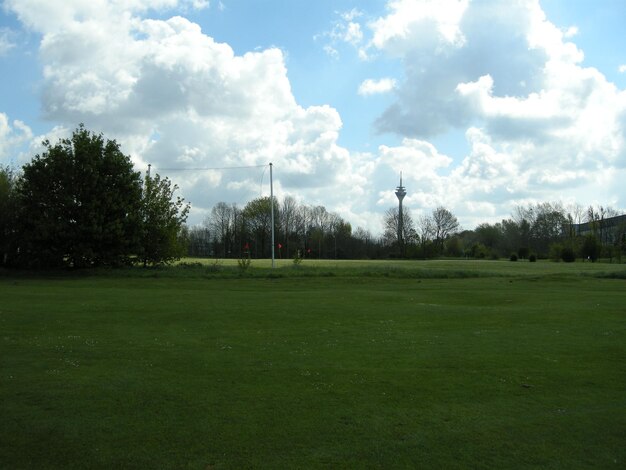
(391, 223)
(444, 225)
(288, 221)
(221, 224)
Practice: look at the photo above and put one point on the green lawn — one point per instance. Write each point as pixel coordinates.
(514, 365)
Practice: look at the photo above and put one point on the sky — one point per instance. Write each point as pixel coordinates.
(481, 105)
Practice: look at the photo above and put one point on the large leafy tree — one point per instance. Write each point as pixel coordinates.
(79, 204)
(163, 217)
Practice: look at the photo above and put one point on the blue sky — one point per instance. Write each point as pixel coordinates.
(483, 105)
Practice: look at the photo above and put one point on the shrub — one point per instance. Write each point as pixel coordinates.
(214, 267)
(556, 250)
(244, 262)
(532, 258)
(479, 251)
(513, 257)
(567, 254)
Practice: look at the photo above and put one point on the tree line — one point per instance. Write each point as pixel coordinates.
(544, 230)
(550, 230)
(80, 203)
(231, 231)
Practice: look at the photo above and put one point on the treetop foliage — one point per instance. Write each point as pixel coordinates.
(540, 230)
(80, 203)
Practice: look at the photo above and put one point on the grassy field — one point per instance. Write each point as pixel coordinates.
(442, 364)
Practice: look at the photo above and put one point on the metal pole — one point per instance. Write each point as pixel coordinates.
(272, 209)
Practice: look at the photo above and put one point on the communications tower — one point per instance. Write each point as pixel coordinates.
(400, 193)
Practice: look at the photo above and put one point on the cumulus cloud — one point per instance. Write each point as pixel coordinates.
(13, 136)
(422, 22)
(372, 87)
(174, 97)
(458, 44)
(539, 123)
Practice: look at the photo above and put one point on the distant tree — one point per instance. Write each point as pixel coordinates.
(162, 219)
(341, 233)
(222, 224)
(425, 234)
(7, 216)
(489, 235)
(199, 242)
(288, 224)
(550, 226)
(591, 248)
(391, 222)
(444, 225)
(363, 244)
(523, 252)
(79, 204)
(454, 247)
(568, 255)
(319, 227)
(258, 220)
(542, 225)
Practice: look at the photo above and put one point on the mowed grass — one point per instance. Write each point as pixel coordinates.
(489, 371)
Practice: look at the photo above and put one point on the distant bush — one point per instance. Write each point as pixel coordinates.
(214, 267)
(568, 255)
(244, 262)
(297, 259)
(556, 250)
(513, 257)
(532, 258)
(187, 265)
(479, 251)
(522, 252)
(591, 248)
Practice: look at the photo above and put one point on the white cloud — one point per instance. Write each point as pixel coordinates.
(622, 68)
(172, 97)
(13, 136)
(539, 123)
(6, 43)
(201, 4)
(351, 15)
(344, 31)
(372, 87)
(331, 51)
(419, 22)
(571, 32)
(353, 33)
